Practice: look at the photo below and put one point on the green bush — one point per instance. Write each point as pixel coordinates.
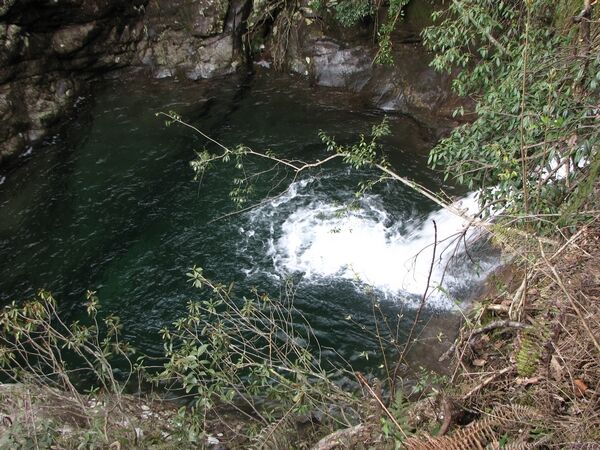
(534, 138)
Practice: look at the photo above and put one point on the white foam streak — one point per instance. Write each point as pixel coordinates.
(324, 241)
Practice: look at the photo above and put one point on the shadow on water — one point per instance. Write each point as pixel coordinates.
(109, 205)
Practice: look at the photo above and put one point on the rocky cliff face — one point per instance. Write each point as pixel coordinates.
(193, 38)
(50, 51)
(332, 56)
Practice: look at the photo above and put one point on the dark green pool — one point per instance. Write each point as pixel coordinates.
(110, 205)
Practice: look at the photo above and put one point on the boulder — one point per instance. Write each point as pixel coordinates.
(335, 66)
(73, 37)
(194, 39)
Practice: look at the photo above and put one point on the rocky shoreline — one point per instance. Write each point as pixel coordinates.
(52, 51)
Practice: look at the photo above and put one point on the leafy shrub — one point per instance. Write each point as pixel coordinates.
(534, 139)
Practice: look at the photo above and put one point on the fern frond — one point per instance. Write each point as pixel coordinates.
(277, 435)
(530, 349)
(480, 433)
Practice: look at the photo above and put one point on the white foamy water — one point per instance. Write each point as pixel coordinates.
(325, 241)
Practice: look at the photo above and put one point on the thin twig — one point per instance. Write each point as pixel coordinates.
(485, 382)
(418, 315)
(378, 400)
(499, 324)
(574, 306)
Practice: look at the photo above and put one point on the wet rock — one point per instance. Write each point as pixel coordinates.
(407, 88)
(12, 42)
(416, 17)
(207, 58)
(215, 59)
(72, 38)
(196, 18)
(5, 6)
(331, 56)
(11, 146)
(209, 18)
(335, 66)
(50, 50)
(198, 42)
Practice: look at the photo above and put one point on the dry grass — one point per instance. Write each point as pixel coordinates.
(534, 344)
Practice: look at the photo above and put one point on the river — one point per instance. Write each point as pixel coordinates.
(110, 205)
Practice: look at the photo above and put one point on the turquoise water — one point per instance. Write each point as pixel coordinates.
(110, 205)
